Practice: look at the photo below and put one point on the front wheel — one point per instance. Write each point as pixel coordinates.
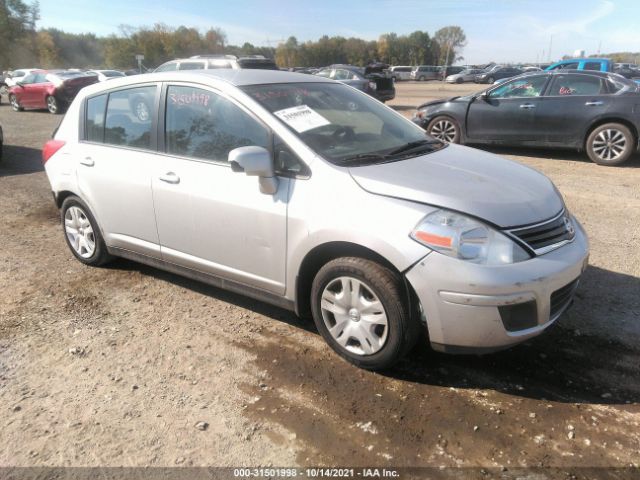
(15, 104)
(360, 310)
(490, 80)
(82, 233)
(610, 144)
(445, 129)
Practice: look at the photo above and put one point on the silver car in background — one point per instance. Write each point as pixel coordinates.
(468, 75)
(307, 193)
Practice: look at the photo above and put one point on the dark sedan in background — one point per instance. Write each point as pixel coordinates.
(370, 79)
(497, 73)
(597, 112)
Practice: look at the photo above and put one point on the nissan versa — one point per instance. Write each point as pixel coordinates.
(309, 194)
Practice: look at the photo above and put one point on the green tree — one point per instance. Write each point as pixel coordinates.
(17, 31)
(450, 40)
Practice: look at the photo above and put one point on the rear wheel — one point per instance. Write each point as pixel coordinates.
(15, 104)
(82, 233)
(459, 80)
(421, 79)
(610, 144)
(445, 129)
(360, 310)
(53, 105)
(490, 80)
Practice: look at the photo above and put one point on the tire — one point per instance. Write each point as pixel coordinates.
(15, 104)
(82, 233)
(610, 144)
(387, 336)
(490, 80)
(445, 129)
(421, 79)
(53, 105)
(459, 80)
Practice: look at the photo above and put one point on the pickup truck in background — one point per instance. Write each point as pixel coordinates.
(599, 65)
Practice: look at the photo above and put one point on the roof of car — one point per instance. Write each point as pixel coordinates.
(236, 77)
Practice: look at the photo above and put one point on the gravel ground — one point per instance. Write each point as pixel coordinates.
(130, 366)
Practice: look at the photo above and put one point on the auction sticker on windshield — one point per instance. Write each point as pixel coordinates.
(301, 118)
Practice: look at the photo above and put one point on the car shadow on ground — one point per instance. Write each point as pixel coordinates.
(564, 364)
(20, 160)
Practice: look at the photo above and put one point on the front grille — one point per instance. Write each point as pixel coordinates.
(561, 298)
(546, 236)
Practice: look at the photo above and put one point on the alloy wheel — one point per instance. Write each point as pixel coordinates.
(79, 232)
(609, 144)
(444, 130)
(354, 316)
(14, 102)
(142, 111)
(52, 104)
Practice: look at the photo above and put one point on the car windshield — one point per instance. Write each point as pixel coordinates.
(342, 125)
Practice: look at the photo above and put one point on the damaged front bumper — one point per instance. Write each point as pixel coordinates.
(471, 308)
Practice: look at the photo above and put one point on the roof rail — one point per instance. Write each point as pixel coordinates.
(230, 57)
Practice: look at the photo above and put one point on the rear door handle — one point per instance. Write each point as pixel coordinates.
(527, 106)
(88, 162)
(593, 104)
(170, 177)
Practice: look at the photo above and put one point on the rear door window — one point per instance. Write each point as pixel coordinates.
(191, 66)
(593, 66)
(569, 85)
(204, 125)
(129, 116)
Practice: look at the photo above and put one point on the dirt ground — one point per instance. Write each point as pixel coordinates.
(117, 366)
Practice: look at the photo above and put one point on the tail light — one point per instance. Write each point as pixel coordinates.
(51, 147)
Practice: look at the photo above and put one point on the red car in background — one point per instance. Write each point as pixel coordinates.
(50, 89)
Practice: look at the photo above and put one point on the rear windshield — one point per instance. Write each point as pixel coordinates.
(258, 64)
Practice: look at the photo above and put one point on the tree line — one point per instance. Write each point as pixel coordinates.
(26, 46)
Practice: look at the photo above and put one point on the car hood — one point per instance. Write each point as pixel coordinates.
(437, 102)
(466, 180)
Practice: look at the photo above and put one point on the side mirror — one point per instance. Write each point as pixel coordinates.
(484, 96)
(255, 162)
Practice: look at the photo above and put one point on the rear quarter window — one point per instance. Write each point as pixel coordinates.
(94, 126)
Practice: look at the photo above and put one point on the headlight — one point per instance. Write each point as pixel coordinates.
(462, 237)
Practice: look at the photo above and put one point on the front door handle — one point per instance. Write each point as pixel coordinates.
(170, 177)
(527, 106)
(88, 162)
(593, 104)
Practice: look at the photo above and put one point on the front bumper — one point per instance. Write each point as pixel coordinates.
(464, 304)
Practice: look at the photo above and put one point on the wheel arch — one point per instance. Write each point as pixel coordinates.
(325, 252)
(603, 120)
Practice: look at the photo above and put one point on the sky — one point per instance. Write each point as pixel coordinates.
(497, 30)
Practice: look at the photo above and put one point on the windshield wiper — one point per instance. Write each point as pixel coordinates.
(418, 144)
(364, 157)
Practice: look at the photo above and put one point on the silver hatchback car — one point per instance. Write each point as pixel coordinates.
(308, 194)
